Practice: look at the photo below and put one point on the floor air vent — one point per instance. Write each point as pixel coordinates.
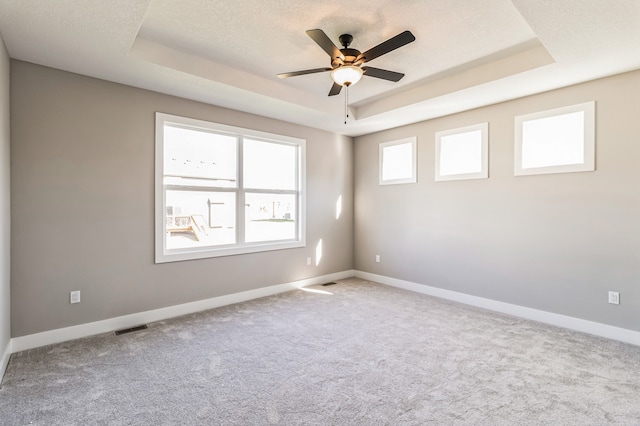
(131, 330)
(328, 284)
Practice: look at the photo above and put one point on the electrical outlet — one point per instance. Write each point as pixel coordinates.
(308, 261)
(74, 296)
(614, 297)
(377, 258)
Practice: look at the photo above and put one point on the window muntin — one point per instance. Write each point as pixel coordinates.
(462, 153)
(222, 190)
(398, 162)
(561, 140)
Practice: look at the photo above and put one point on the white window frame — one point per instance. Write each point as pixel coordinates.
(588, 164)
(483, 128)
(162, 254)
(413, 165)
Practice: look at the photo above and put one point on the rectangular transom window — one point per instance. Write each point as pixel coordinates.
(462, 153)
(560, 140)
(223, 190)
(397, 161)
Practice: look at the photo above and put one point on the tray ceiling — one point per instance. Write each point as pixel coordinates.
(467, 53)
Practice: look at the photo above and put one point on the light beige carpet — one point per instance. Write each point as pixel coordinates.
(356, 353)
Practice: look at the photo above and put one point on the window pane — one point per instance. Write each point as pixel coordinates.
(461, 153)
(397, 162)
(199, 219)
(553, 141)
(196, 157)
(270, 217)
(269, 165)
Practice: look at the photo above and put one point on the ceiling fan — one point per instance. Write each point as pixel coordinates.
(346, 63)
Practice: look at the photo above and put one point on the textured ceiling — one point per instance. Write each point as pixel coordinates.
(467, 53)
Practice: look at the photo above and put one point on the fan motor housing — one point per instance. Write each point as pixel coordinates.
(350, 56)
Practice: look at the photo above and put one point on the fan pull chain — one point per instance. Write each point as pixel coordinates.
(346, 104)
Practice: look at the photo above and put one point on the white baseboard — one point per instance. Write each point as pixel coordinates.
(89, 329)
(4, 360)
(572, 323)
(31, 341)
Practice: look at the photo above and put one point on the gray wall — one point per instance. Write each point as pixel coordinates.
(557, 243)
(5, 212)
(82, 186)
(82, 206)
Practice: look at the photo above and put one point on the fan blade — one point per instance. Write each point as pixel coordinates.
(303, 72)
(325, 43)
(383, 74)
(335, 89)
(387, 46)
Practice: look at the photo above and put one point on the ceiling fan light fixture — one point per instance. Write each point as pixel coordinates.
(346, 75)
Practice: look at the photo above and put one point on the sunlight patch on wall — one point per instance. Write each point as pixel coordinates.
(315, 290)
(318, 252)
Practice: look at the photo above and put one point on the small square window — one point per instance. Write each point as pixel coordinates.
(398, 162)
(561, 140)
(462, 153)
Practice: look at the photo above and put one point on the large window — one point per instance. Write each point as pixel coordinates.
(561, 140)
(223, 190)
